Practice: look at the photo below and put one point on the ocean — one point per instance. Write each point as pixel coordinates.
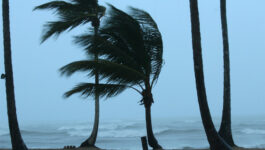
(125, 135)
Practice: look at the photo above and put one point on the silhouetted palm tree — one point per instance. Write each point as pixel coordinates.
(225, 130)
(72, 14)
(16, 138)
(130, 48)
(214, 139)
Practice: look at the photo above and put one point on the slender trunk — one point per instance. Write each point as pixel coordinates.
(90, 142)
(151, 138)
(147, 101)
(16, 138)
(225, 130)
(215, 141)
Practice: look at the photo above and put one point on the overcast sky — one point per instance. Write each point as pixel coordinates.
(39, 86)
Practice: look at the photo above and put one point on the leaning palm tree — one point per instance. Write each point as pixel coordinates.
(215, 140)
(225, 130)
(16, 138)
(72, 14)
(130, 47)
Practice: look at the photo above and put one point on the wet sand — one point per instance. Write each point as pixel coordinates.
(114, 149)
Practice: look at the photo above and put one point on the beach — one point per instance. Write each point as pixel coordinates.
(179, 133)
(140, 149)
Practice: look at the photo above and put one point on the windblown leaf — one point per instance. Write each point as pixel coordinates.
(111, 71)
(71, 14)
(152, 39)
(55, 5)
(90, 89)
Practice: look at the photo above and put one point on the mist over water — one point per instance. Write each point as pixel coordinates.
(119, 134)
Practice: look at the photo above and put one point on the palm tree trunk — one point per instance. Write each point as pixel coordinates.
(90, 142)
(225, 130)
(215, 141)
(151, 138)
(147, 101)
(16, 138)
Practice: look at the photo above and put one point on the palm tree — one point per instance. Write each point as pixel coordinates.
(130, 47)
(225, 130)
(214, 139)
(72, 14)
(16, 138)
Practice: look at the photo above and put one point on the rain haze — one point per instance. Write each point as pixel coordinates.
(39, 86)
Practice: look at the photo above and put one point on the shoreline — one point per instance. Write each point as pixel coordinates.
(114, 149)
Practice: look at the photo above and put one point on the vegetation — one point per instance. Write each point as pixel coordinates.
(130, 46)
(16, 138)
(72, 14)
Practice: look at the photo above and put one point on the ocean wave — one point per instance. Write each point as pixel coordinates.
(103, 127)
(129, 126)
(75, 127)
(122, 129)
(109, 133)
(129, 133)
(4, 133)
(176, 131)
(253, 131)
(25, 132)
(191, 121)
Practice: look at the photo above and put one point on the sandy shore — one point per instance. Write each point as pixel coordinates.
(114, 149)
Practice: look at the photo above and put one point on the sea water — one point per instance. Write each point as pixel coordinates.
(125, 135)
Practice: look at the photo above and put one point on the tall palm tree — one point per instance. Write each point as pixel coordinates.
(130, 47)
(214, 139)
(16, 138)
(72, 14)
(225, 130)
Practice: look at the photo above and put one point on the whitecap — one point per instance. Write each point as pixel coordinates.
(253, 131)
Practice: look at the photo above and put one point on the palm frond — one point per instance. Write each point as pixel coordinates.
(56, 28)
(55, 5)
(70, 14)
(110, 71)
(103, 46)
(81, 6)
(123, 25)
(85, 2)
(152, 40)
(91, 89)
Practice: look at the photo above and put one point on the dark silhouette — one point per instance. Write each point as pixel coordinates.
(225, 130)
(16, 138)
(214, 139)
(71, 15)
(132, 48)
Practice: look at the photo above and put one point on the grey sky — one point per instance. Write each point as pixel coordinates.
(39, 87)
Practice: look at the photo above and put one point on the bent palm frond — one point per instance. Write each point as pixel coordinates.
(56, 6)
(107, 48)
(131, 40)
(57, 27)
(130, 48)
(90, 89)
(122, 25)
(111, 71)
(152, 40)
(70, 14)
